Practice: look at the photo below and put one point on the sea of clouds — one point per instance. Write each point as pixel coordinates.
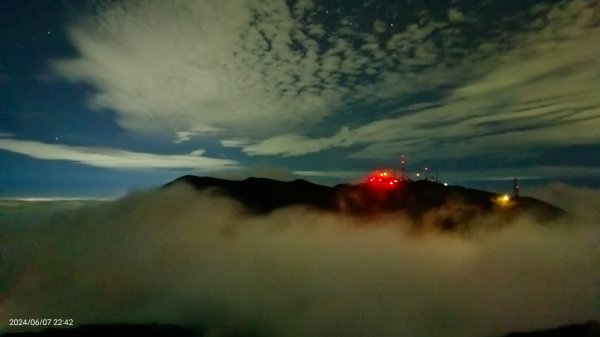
(185, 257)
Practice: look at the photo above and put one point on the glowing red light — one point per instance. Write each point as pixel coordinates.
(384, 180)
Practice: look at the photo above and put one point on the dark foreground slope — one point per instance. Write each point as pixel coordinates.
(446, 207)
(589, 329)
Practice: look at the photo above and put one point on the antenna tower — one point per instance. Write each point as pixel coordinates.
(516, 187)
(402, 167)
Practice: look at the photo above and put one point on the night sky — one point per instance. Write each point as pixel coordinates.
(101, 97)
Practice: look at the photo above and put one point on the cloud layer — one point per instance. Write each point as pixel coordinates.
(176, 256)
(538, 93)
(193, 65)
(267, 77)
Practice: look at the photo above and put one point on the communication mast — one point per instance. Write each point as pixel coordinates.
(516, 187)
(402, 168)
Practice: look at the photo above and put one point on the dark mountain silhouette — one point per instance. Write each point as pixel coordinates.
(445, 207)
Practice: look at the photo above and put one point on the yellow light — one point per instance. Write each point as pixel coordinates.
(503, 200)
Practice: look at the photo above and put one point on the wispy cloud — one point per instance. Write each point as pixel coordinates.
(115, 158)
(184, 136)
(343, 174)
(530, 173)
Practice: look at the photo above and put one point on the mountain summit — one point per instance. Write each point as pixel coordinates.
(424, 201)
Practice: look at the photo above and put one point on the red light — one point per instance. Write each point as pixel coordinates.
(383, 180)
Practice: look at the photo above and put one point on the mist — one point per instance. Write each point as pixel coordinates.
(184, 257)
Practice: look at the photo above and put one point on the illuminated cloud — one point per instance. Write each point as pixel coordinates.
(115, 158)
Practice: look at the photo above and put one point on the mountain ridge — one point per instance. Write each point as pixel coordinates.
(418, 199)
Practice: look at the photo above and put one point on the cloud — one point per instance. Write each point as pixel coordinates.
(279, 80)
(183, 257)
(455, 15)
(188, 64)
(198, 152)
(184, 136)
(379, 26)
(583, 203)
(328, 177)
(115, 158)
(233, 142)
(331, 174)
(535, 93)
(251, 69)
(286, 145)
